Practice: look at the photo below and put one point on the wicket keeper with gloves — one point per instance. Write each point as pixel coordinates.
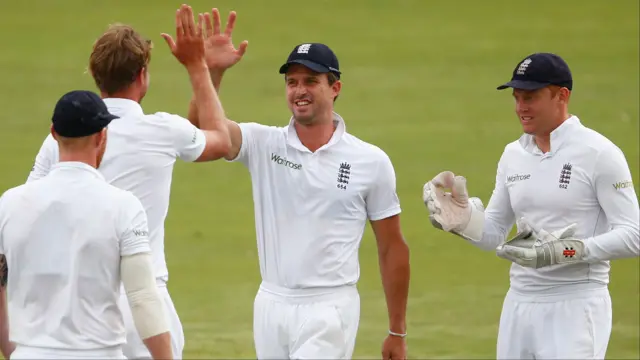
(570, 190)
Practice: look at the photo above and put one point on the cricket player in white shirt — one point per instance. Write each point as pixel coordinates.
(570, 192)
(70, 241)
(143, 148)
(315, 187)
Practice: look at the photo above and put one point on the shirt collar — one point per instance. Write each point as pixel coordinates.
(121, 107)
(77, 167)
(294, 141)
(557, 138)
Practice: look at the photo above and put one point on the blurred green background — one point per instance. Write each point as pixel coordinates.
(419, 81)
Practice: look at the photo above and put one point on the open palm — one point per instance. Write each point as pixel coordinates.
(220, 53)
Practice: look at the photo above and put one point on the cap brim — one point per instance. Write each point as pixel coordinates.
(523, 84)
(310, 64)
(106, 118)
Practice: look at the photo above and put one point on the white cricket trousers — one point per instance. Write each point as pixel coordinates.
(567, 326)
(30, 353)
(135, 348)
(305, 323)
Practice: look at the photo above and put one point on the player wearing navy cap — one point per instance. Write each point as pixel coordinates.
(70, 240)
(569, 191)
(315, 187)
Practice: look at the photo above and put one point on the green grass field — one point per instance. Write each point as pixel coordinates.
(419, 81)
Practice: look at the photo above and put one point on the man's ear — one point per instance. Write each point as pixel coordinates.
(336, 87)
(53, 133)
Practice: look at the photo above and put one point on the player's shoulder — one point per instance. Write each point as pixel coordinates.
(592, 139)
(122, 199)
(363, 148)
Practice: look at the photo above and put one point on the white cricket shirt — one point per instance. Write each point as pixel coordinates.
(583, 179)
(141, 152)
(63, 237)
(311, 208)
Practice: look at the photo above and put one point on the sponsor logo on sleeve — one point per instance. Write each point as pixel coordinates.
(623, 185)
(140, 233)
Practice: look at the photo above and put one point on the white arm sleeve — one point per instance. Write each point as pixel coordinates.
(382, 200)
(619, 203)
(46, 158)
(136, 269)
(142, 292)
(253, 135)
(498, 216)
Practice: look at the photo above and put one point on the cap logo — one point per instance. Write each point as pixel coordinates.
(523, 67)
(304, 48)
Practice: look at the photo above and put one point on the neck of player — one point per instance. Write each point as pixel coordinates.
(88, 157)
(130, 93)
(543, 141)
(314, 136)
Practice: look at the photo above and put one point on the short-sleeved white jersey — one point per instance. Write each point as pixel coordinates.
(63, 238)
(583, 179)
(140, 156)
(311, 208)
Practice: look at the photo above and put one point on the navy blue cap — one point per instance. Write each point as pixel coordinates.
(539, 70)
(80, 113)
(317, 57)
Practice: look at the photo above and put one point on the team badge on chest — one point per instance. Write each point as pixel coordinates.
(344, 172)
(565, 176)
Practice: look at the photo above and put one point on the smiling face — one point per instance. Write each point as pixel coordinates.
(541, 111)
(310, 95)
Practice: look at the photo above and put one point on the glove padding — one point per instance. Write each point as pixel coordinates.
(453, 211)
(537, 248)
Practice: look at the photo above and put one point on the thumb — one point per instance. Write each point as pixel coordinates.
(242, 48)
(170, 42)
(459, 190)
(443, 180)
(566, 232)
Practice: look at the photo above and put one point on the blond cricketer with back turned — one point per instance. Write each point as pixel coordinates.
(143, 148)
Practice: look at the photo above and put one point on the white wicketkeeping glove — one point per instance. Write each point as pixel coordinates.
(536, 248)
(453, 211)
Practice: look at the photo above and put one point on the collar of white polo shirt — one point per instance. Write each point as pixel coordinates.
(75, 167)
(558, 136)
(121, 107)
(294, 141)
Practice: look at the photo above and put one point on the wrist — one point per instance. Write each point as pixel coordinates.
(197, 68)
(398, 334)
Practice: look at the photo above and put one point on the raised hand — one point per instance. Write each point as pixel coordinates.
(219, 50)
(188, 47)
(453, 211)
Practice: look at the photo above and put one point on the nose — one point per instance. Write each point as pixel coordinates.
(521, 106)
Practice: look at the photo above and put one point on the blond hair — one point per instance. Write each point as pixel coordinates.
(117, 58)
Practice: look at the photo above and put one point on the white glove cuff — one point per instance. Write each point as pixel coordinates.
(475, 227)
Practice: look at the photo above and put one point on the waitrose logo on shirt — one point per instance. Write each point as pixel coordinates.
(623, 185)
(283, 161)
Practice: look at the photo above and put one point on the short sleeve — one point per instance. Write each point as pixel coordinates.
(252, 135)
(133, 227)
(45, 159)
(382, 200)
(188, 140)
